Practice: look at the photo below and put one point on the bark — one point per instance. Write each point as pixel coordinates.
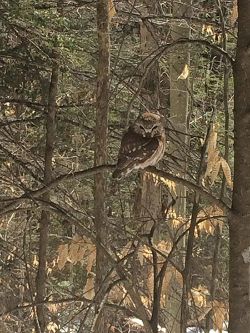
(179, 101)
(45, 215)
(150, 191)
(239, 221)
(101, 131)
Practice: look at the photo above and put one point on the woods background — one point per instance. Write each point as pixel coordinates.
(80, 251)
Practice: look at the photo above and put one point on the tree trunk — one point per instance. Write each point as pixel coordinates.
(239, 222)
(179, 100)
(101, 134)
(150, 189)
(45, 215)
(150, 193)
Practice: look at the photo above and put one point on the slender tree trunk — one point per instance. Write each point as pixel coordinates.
(179, 101)
(150, 190)
(45, 215)
(101, 133)
(150, 198)
(239, 222)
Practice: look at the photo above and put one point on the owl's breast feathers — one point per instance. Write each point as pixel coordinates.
(138, 152)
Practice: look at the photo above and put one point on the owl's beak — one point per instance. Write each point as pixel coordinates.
(148, 133)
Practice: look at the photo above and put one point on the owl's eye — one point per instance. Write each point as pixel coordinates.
(154, 127)
(141, 127)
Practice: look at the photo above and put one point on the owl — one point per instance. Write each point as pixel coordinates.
(142, 145)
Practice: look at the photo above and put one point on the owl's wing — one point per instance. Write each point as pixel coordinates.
(135, 150)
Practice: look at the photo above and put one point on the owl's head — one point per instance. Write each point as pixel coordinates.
(149, 124)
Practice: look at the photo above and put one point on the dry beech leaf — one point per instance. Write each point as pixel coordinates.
(208, 225)
(165, 285)
(140, 255)
(52, 327)
(53, 308)
(147, 252)
(215, 171)
(176, 221)
(178, 277)
(62, 255)
(89, 289)
(150, 284)
(234, 13)
(80, 253)
(199, 296)
(227, 172)
(212, 140)
(126, 249)
(207, 30)
(91, 260)
(145, 301)
(73, 249)
(212, 161)
(35, 262)
(184, 74)
(164, 246)
(112, 11)
(170, 184)
(77, 249)
(117, 293)
(219, 315)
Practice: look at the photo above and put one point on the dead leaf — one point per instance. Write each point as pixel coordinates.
(212, 140)
(35, 262)
(234, 13)
(184, 74)
(209, 223)
(170, 184)
(62, 255)
(199, 296)
(52, 327)
(89, 289)
(219, 315)
(227, 172)
(112, 10)
(77, 249)
(207, 30)
(150, 284)
(91, 260)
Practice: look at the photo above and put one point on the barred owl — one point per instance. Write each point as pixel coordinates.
(142, 145)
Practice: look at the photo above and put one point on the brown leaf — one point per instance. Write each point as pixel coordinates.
(91, 260)
(73, 249)
(215, 171)
(212, 140)
(62, 255)
(150, 284)
(184, 74)
(207, 214)
(52, 327)
(112, 11)
(199, 296)
(234, 13)
(77, 249)
(227, 172)
(219, 315)
(212, 161)
(140, 255)
(170, 184)
(207, 30)
(89, 289)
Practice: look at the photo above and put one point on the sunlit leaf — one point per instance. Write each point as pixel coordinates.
(184, 74)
